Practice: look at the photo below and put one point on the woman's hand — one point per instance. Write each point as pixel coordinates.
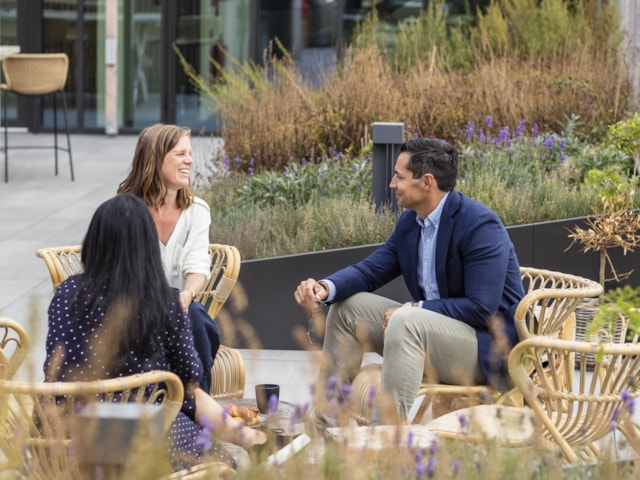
(186, 297)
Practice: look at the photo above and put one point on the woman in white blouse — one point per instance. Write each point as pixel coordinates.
(160, 175)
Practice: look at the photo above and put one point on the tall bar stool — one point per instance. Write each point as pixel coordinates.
(36, 74)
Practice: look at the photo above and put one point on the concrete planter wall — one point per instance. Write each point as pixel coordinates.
(269, 283)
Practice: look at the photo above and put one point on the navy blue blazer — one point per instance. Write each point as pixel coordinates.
(476, 268)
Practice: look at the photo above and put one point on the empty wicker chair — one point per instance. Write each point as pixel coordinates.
(14, 344)
(36, 74)
(37, 418)
(228, 373)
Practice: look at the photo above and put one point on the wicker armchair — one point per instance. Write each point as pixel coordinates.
(575, 416)
(14, 345)
(546, 309)
(37, 418)
(228, 373)
(36, 74)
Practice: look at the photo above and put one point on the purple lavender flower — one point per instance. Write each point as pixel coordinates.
(563, 156)
(489, 121)
(273, 404)
(464, 422)
(205, 434)
(483, 139)
(252, 162)
(520, 129)
(613, 423)
(550, 141)
(431, 466)
(371, 395)
(237, 160)
(535, 129)
(503, 135)
(469, 132)
(629, 401)
(226, 162)
(359, 185)
(303, 161)
(421, 467)
(333, 384)
(410, 438)
(345, 392)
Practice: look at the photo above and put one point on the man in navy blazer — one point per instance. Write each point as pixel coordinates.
(461, 270)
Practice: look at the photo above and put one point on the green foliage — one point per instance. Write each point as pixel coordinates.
(620, 301)
(323, 202)
(301, 182)
(624, 136)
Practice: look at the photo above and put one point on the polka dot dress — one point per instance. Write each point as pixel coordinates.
(78, 350)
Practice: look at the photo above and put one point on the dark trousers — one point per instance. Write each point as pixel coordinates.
(206, 337)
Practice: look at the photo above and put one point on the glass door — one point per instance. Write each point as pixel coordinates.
(9, 36)
(140, 34)
(207, 29)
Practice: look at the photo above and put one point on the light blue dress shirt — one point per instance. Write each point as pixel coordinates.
(427, 251)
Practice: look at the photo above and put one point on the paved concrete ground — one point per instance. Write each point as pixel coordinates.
(39, 209)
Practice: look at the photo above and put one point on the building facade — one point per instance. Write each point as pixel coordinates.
(124, 71)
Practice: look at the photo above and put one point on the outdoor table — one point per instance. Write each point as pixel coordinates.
(283, 424)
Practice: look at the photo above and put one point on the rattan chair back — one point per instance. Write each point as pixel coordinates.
(35, 73)
(574, 416)
(14, 345)
(37, 418)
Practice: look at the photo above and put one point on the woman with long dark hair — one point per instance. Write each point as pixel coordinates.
(120, 317)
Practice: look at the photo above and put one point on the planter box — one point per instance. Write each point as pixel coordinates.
(269, 283)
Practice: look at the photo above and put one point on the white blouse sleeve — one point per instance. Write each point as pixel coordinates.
(195, 258)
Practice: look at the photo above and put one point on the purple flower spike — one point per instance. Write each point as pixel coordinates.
(535, 129)
(464, 421)
(410, 438)
(273, 404)
(226, 162)
(469, 132)
(629, 401)
(371, 395)
(489, 121)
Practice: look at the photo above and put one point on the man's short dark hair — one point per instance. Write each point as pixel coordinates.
(434, 156)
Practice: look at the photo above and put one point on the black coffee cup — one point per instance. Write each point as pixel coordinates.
(267, 395)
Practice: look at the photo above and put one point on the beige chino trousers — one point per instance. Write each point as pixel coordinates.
(416, 344)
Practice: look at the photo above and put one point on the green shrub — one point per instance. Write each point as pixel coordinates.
(320, 203)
